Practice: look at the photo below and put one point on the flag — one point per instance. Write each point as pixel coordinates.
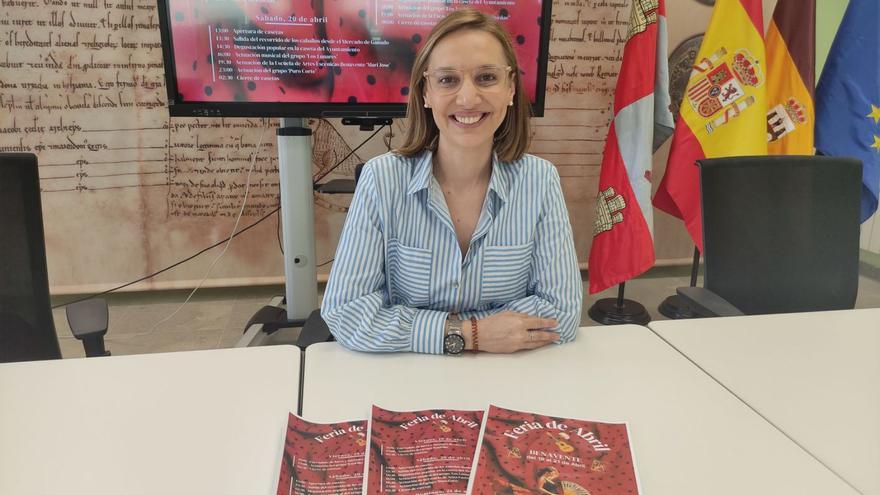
(623, 246)
(848, 97)
(791, 61)
(724, 109)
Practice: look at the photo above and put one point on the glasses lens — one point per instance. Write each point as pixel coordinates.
(446, 81)
(486, 78)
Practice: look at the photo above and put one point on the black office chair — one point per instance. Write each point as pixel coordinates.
(780, 235)
(27, 330)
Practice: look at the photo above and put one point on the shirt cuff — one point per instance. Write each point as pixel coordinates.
(427, 331)
(480, 313)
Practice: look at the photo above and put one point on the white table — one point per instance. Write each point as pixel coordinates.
(206, 422)
(690, 435)
(816, 376)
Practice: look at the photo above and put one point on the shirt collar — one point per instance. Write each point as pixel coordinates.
(422, 173)
(498, 182)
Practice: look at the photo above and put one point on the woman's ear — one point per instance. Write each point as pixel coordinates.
(512, 87)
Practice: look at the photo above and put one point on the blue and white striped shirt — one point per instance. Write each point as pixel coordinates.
(399, 271)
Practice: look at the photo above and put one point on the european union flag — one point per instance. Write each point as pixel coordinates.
(848, 97)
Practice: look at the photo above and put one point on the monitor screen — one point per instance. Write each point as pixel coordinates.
(328, 58)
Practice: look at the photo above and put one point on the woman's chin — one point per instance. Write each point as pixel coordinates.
(468, 140)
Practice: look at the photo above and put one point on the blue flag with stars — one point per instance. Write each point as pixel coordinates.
(848, 97)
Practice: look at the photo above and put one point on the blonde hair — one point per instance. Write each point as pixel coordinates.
(512, 136)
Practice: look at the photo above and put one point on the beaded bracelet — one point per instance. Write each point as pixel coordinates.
(475, 334)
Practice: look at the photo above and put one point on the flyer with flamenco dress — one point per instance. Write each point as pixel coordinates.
(531, 454)
(426, 452)
(323, 458)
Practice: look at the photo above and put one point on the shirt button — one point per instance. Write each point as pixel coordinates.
(455, 284)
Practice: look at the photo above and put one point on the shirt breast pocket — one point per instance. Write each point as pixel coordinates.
(505, 273)
(409, 274)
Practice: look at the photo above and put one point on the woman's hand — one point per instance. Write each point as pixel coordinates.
(510, 331)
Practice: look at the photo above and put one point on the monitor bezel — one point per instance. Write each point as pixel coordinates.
(179, 108)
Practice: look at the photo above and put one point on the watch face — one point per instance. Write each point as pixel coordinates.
(453, 344)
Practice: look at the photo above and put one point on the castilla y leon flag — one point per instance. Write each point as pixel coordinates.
(623, 246)
(724, 110)
(791, 58)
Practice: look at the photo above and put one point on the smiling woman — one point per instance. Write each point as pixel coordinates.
(466, 41)
(458, 239)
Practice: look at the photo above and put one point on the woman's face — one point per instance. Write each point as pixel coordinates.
(468, 88)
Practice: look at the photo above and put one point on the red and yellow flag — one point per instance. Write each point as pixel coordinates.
(791, 61)
(724, 109)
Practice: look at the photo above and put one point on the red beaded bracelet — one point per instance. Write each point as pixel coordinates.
(474, 334)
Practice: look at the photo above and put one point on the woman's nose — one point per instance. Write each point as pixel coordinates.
(468, 94)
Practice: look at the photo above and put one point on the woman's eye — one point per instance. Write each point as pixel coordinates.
(447, 80)
(487, 78)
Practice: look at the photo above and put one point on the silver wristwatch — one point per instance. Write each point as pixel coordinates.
(453, 340)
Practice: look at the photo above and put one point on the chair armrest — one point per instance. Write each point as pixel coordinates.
(336, 186)
(88, 322)
(708, 303)
(314, 331)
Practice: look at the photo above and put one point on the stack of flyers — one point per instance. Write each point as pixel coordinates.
(455, 452)
(323, 458)
(421, 452)
(524, 453)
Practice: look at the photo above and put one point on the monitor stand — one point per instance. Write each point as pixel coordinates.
(298, 308)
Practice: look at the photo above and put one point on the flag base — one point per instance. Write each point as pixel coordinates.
(676, 308)
(614, 311)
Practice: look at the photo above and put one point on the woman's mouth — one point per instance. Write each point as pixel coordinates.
(468, 120)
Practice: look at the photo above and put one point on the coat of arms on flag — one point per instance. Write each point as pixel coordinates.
(721, 86)
(643, 13)
(609, 211)
(784, 118)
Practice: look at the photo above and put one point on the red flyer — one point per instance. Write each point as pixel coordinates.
(323, 458)
(421, 452)
(531, 454)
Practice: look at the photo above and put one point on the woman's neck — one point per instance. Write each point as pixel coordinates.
(462, 168)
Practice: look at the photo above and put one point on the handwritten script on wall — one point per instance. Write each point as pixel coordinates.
(128, 190)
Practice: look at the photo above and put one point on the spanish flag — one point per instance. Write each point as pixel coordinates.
(724, 109)
(791, 61)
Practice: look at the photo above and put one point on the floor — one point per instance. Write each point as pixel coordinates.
(216, 318)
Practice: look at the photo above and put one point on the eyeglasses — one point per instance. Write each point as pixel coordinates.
(486, 78)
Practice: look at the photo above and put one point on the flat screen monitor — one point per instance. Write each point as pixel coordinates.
(320, 58)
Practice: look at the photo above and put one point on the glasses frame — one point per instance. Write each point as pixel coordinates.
(508, 70)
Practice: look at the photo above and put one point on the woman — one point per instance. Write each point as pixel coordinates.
(458, 240)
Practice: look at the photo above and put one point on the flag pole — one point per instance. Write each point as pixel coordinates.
(675, 307)
(619, 311)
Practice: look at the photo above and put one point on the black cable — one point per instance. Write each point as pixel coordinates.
(225, 239)
(340, 162)
(325, 263)
(390, 136)
(278, 231)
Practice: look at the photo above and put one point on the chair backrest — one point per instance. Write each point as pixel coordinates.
(781, 233)
(27, 331)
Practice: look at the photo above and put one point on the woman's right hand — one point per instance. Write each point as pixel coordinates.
(509, 331)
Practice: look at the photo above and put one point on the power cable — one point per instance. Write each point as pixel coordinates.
(218, 243)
